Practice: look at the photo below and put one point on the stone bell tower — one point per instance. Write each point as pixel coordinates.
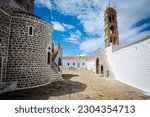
(111, 27)
(27, 4)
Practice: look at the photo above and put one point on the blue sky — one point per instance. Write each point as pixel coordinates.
(79, 24)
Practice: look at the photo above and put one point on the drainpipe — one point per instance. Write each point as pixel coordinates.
(2, 70)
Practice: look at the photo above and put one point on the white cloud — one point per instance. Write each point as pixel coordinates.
(57, 26)
(68, 26)
(83, 54)
(74, 37)
(91, 45)
(90, 13)
(43, 3)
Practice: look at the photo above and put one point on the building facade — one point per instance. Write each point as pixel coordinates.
(26, 55)
(76, 62)
(130, 63)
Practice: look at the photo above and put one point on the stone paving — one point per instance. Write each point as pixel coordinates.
(80, 85)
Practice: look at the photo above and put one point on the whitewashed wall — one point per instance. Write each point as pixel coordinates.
(71, 61)
(91, 66)
(132, 64)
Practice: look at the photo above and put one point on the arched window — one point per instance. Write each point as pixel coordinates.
(110, 18)
(49, 58)
(112, 30)
(68, 64)
(30, 31)
(83, 63)
(73, 63)
(59, 62)
(110, 39)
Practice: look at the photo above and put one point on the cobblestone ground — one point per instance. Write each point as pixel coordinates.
(80, 84)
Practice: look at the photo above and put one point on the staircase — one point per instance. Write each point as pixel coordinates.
(55, 76)
(55, 69)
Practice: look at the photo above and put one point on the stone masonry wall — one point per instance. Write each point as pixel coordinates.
(4, 38)
(27, 56)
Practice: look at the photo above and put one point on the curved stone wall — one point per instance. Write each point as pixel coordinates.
(27, 55)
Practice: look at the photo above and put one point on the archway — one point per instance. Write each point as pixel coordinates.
(97, 66)
(102, 69)
(48, 58)
(59, 61)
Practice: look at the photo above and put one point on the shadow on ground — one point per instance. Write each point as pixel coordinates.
(69, 76)
(43, 93)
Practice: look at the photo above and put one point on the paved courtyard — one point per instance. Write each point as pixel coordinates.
(79, 84)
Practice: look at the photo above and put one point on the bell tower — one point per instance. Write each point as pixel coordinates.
(111, 27)
(27, 4)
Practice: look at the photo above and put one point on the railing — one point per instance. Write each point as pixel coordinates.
(54, 55)
(55, 67)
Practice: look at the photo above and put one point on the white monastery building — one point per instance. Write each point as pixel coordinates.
(130, 63)
(77, 62)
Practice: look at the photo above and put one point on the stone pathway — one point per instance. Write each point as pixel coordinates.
(80, 84)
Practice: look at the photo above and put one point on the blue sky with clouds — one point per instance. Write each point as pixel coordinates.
(79, 24)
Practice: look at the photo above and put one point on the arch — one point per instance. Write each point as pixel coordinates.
(59, 61)
(49, 58)
(97, 66)
(102, 69)
(110, 18)
(53, 47)
(30, 31)
(112, 29)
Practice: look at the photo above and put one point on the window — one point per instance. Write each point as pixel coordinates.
(110, 18)
(59, 61)
(28, 7)
(30, 31)
(73, 63)
(48, 58)
(68, 64)
(49, 48)
(112, 30)
(83, 63)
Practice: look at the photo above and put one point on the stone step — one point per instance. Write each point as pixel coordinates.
(57, 79)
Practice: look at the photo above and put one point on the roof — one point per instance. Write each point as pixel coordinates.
(78, 57)
(11, 6)
(110, 9)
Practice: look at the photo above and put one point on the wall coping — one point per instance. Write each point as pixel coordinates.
(132, 43)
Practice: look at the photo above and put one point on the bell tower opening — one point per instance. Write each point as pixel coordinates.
(111, 27)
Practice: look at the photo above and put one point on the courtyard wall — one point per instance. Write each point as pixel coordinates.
(131, 64)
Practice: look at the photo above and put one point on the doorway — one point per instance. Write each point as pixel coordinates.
(97, 66)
